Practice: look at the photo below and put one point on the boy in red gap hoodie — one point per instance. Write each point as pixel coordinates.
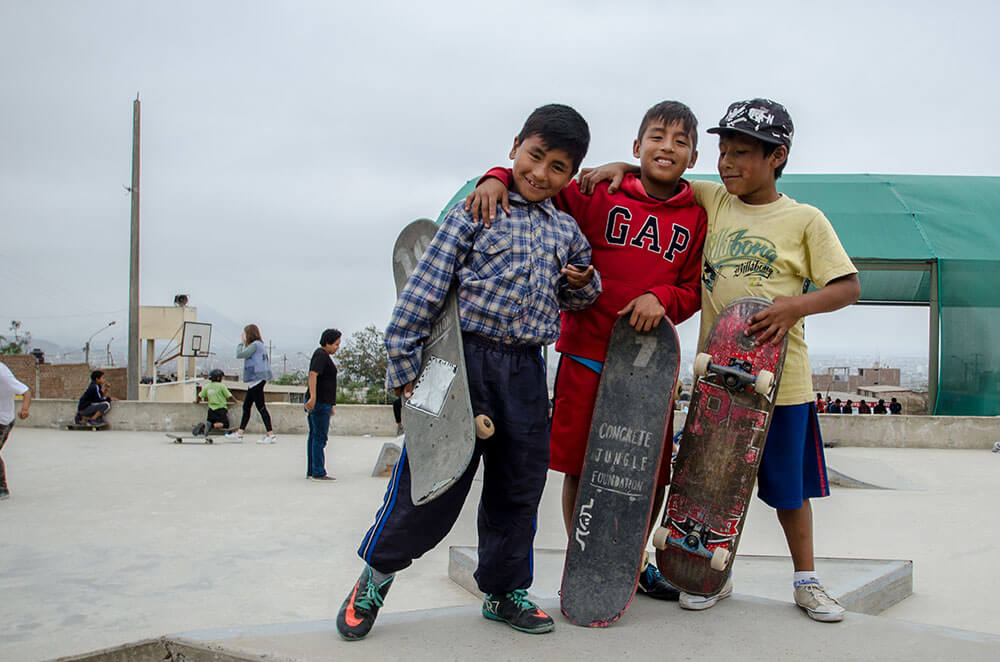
(647, 241)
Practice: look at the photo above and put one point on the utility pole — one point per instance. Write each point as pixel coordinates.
(132, 374)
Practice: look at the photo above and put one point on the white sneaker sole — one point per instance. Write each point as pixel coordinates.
(823, 617)
(700, 602)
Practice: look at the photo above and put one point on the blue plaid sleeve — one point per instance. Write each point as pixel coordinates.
(423, 298)
(579, 255)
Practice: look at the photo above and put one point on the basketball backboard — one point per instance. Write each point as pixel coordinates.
(196, 339)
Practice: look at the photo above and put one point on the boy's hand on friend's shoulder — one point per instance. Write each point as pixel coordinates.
(482, 202)
(578, 277)
(646, 312)
(611, 172)
(773, 323)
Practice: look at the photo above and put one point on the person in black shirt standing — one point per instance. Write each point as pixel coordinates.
(319, 405)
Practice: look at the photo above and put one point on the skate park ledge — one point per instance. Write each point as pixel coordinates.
(957, 432)
(287, 418)
(865, 586)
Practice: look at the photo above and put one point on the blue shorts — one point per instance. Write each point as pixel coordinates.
(793, 467)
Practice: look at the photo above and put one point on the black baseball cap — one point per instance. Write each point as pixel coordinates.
(759, 118)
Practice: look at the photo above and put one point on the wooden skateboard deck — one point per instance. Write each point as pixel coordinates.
(615, 499)
(440, 433)
(720, 450)
(206, 438)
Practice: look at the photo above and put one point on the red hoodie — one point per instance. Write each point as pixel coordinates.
(640, 244)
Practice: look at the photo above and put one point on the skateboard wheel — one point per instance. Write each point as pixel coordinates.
(719, 558)
(484, 426)
(660, 537)
(701, 362)
(764, 382)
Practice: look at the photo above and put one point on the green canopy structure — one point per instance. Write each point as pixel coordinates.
(929, 241)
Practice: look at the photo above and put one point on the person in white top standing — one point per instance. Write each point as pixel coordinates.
(9, 387)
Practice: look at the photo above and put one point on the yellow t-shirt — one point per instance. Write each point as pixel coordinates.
(767, 251)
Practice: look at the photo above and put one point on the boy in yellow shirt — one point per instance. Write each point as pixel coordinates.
(762, 243)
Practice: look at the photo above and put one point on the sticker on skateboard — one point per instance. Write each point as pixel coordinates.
(617, 484)
(736, 381)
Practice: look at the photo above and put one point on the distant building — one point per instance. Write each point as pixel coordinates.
(840, 380)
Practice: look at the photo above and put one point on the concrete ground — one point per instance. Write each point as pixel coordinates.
(112, 537)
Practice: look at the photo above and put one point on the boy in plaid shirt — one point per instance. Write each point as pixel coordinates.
(512, 279)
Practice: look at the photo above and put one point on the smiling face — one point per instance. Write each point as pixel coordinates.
(664, 153)
(539, 172)
(332, 348)
(746, 172)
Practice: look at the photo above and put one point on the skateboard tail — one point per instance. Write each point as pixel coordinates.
(435, 491)
(720, 451)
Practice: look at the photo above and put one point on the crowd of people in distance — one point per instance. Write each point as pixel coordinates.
(828, 406)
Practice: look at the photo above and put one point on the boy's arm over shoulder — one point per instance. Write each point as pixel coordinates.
(682, 299)
(422, 299)
(707, 195)
(483, 201)
(577, 298)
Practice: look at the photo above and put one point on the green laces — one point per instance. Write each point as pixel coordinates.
(370, 597)
(520, 598)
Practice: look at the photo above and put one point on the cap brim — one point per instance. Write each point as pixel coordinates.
(759, 136)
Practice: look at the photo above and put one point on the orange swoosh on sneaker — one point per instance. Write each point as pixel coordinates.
(349, 616)
(540, 614)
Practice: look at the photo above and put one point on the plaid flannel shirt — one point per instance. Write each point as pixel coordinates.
(510, 288)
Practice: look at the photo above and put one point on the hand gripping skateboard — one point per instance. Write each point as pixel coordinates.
(736, 380)
(615, 499)
(440, 429)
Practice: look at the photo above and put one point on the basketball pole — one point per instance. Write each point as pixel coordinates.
(132, 373)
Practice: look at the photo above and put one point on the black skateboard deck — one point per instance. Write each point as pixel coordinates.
(88, 426)
(615, 499)
(440, 433)
(736, 380)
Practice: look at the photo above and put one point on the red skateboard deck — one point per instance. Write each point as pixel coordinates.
(736, 380)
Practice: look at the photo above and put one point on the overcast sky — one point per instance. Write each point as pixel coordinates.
(285, 144)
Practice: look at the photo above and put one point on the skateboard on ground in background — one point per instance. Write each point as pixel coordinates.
(440, 427)
(615, 499)
(732, 400)
(103, 425)
(204, 434)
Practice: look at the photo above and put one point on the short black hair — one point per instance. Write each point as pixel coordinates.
(669, 112)
(559, 127)
(328, 337)
(769, 150)
(95, 375)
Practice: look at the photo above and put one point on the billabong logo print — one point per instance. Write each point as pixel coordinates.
(739, 255)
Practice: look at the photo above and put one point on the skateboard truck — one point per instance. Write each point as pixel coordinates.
(694, 541)
(736, 376)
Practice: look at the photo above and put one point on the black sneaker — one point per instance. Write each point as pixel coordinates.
(517, 611)
(4, 494)
(652, 583)
(357, 614)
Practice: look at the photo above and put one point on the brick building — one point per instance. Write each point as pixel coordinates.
(841, 381)
(61, 380)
